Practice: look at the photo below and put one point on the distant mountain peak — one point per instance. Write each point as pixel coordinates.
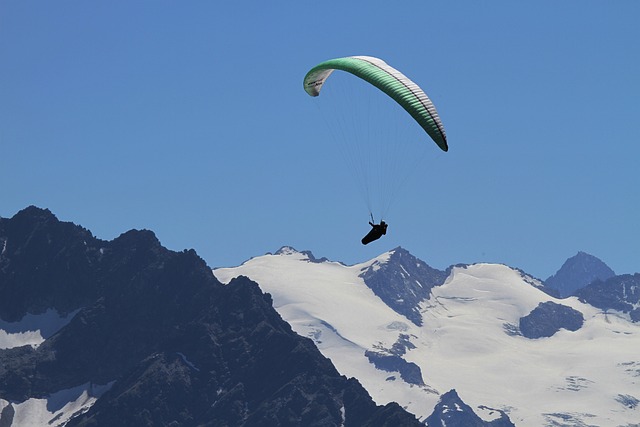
(392, 255)
(577, 272)
(291, 251)
(402, 281)
(32, 216)
(34, 212)
(584, 255)
(399, 251)
(287, 250)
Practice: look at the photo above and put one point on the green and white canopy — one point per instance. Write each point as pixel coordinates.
(389, 80)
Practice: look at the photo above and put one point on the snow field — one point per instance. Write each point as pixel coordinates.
(468, 341)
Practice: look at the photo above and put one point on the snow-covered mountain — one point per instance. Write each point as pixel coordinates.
(484, 334)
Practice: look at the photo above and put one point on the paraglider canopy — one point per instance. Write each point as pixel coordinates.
(390, 81)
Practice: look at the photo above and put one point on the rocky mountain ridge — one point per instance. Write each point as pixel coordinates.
(155, 340)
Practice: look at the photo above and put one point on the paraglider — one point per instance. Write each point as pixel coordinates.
(377, 231)
(396, 86)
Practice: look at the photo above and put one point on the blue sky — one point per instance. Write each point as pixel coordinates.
(189, 119)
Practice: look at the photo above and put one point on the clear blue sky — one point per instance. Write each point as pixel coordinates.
(189, 119)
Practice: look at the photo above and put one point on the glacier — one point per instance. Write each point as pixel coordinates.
(468, 340)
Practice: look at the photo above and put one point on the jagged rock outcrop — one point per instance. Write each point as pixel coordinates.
(451, 411)
(391, 360)
(548, 318)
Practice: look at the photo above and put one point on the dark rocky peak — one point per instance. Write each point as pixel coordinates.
(33, 231)
(287, 250)
(399, 252)
(451, 411)
(32, 215)
(402, 281)
(137, 239)
(548, 318)
(135, 246)
(577, 272)
(44, 263)
(620, 293)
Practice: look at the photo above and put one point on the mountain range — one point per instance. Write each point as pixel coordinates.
(127, 332)
(482, 344)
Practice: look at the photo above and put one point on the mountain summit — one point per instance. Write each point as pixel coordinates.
(577, 272)
(402, 281)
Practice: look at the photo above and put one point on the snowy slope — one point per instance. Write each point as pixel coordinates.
(32, 329)
(468, 341)
(57, 408)
(54, 410)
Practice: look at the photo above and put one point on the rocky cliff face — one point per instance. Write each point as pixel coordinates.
(161, 338)
(548, 318)
(403, 281)
(621, 293)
